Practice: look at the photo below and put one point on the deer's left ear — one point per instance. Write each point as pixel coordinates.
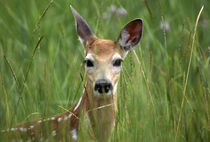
(84, 31)
(130, 35)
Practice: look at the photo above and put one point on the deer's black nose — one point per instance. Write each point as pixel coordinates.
(103, 86)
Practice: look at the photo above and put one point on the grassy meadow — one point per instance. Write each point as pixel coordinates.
(164, 87)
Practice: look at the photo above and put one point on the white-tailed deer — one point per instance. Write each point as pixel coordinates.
(97, 104)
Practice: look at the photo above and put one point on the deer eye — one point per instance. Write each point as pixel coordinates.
(117, 62)
(89, 63)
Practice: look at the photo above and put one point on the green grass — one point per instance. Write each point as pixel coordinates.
(152, 101)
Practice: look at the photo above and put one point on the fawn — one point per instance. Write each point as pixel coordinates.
(98, 103)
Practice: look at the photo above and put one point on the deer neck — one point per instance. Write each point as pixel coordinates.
(100, 112)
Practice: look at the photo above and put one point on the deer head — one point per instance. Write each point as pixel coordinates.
(104, 57)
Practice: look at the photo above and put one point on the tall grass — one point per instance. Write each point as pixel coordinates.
(160, 97)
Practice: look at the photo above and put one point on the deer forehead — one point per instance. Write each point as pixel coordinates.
(104, 50)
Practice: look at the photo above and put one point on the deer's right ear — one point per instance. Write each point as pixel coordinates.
(86, 35)
(130, 35)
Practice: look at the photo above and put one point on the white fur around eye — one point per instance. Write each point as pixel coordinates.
(90, 57)
(114, 58)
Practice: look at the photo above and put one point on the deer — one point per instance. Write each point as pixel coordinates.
(103, 63)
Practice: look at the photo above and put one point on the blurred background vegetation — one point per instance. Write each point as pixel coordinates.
(41, 64)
